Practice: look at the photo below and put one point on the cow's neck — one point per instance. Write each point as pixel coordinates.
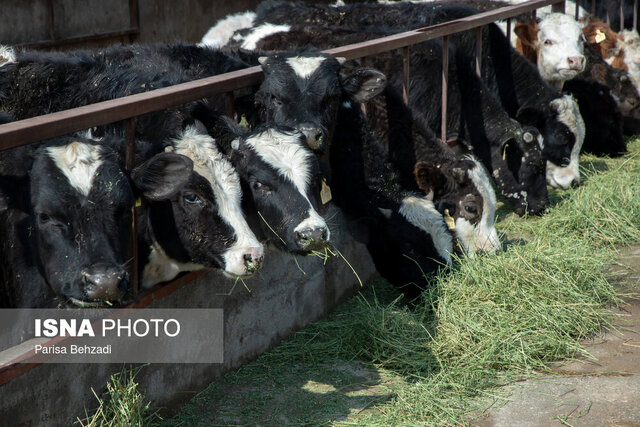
(156, 266)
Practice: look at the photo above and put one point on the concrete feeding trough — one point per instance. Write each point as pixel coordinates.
(287, 296)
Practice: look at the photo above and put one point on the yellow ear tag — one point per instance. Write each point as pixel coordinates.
(504, 152)
(325, 193)
(449, 220)
(243, 122)
(138, 202)
(600, 36)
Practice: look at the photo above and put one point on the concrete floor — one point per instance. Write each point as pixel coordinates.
(604, 391)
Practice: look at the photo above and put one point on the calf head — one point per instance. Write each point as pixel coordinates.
(304, 89)
(201, 223)
(563, 132)
(558, 45)
(622, 89)
(79, 200)
(462, 190)
(284, 179)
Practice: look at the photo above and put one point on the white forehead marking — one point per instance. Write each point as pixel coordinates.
(305, 66)
(79, 162)
(209, 162)
(260, 32)
(485, 233)
(284, 152)
(7, 55)
(421, 212)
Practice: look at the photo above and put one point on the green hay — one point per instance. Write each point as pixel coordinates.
(489, 321)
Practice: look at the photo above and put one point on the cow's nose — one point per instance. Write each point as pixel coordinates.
(574, 183)
(311, 238)
(253, 260)
(576, 62)
(314, 137)
(104, 283)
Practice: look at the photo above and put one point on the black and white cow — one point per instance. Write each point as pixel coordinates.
(475, 117)
(201, 225)
(282, 175)
(295, 221)
(523, 93)
(65, 207)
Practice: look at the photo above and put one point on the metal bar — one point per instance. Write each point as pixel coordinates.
(51, 21)
(479, 51)
(445, 76)
(130, 135)
(577, 10)
(509, 30)
(80, 39)
(229, 101)
(134, 20)
(363, 106)
(559, 7)
(38, 128)
(397, 41)
(406, 73)
(593, 7)
(635, 15)
(621, 15)
(534, 15)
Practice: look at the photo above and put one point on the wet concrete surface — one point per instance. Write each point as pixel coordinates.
(599, 391)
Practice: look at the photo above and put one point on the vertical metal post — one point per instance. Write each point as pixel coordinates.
(479, 51)
(593, 7)
(535, 15)
(509, 30)
(406, 70)
(445, 77)
(134, 18)
(577, 10)
(51, 20)
(130, 134)
(635, 15)
(363, 106)
(229, 101)
(558, 7)
(621, 15)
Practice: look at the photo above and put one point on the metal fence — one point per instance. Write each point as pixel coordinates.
(126, 109)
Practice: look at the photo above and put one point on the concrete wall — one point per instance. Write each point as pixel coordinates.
(283, 300)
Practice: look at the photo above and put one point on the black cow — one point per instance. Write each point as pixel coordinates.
(66, 219)
(405, 234)
(517, 83)
(598, 107)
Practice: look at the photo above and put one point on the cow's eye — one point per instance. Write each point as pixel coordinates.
(257, 185)
(45, 219)
(548, 42)
(192, 199)
(471, 209)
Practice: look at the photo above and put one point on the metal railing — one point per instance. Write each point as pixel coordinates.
(125, 109)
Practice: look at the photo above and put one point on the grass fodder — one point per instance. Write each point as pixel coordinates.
(122, 404)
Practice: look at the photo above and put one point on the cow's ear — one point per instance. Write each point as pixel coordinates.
(162, 176)
(428, 177)
(528, 116)
(14, 193)
(526, 43)
(364, 84)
